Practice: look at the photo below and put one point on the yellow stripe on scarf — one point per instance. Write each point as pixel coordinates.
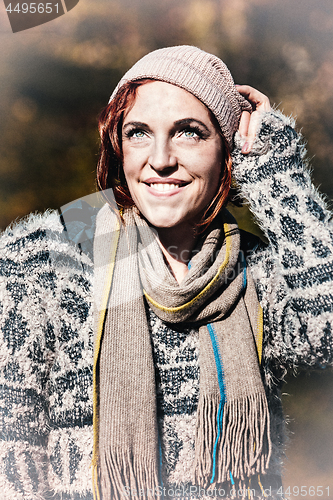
(260, 333)
(207, 287)
(99, 334)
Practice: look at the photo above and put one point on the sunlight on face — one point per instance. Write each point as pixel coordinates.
(173, 154)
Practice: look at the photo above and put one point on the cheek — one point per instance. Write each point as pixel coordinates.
(132, 174)
(130, 167)
(213, 181)
(134, 159)
(213, 173)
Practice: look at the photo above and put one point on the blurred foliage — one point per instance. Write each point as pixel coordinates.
(308, 402)
(56, 78)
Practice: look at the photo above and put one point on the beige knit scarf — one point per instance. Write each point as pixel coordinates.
(217, 296)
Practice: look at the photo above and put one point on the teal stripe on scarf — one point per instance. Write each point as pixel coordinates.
(220, 377)
(160, 460)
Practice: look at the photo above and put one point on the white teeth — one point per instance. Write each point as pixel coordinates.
(164, 186)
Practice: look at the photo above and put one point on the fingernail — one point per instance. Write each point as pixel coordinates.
(246, 148)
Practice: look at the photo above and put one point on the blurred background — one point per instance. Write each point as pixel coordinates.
(56, 78)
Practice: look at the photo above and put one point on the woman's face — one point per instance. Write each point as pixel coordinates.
(172, 153)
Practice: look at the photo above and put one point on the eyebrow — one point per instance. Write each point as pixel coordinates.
(136, 125)
(183, 121)
(187, 121)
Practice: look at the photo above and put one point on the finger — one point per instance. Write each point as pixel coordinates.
(251, 131)
(253, 126)
(258, 100)
(244, 123)
(260, 103)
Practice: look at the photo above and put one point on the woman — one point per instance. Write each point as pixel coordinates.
(196, 322)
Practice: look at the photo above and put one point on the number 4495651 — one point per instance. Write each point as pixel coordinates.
(33, 8)
(304, 491)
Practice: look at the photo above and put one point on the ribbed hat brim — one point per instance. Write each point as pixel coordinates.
(200, 73)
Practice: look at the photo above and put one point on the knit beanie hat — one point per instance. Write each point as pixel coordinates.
(200, 73)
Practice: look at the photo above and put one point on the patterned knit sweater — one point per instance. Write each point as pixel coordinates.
(46, 327)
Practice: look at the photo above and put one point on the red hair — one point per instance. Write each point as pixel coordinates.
(110, 172)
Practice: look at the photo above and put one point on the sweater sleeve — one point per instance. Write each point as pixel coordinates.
(43, 311)
(294, 273)
(26, 283)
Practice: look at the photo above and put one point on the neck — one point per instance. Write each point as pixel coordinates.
(177, 245)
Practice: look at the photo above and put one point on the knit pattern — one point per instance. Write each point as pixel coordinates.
(46, 363)
(176, 358)
(293, 274)
(176, 363)
(46, 321)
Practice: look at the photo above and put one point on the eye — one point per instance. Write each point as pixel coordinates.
(138, 133)
(135, 133)
(192, 133)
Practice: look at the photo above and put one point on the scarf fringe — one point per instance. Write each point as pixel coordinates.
(126, 477)
(244, 446)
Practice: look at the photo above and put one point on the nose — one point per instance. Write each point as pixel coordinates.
(162, 157)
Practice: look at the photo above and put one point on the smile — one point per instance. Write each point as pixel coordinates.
(167, 187)
(164, 187)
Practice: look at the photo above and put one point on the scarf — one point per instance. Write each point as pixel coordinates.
(217, 296)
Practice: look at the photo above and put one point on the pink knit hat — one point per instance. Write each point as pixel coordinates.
(200, 73)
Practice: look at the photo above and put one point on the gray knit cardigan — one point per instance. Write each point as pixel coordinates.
(46, 330)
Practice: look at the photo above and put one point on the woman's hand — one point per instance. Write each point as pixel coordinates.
(248, 124)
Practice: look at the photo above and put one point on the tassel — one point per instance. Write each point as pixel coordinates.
(244, 447)
(206, 433)
(124, 476)
(95, 486)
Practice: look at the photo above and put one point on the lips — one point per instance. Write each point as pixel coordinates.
(165, 185)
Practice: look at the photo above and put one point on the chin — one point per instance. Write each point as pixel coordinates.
(162, 220)
(162, 224)
(167, 220)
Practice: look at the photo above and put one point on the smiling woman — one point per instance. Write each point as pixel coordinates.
(172, 162)
(178, 136)
(196, 322)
